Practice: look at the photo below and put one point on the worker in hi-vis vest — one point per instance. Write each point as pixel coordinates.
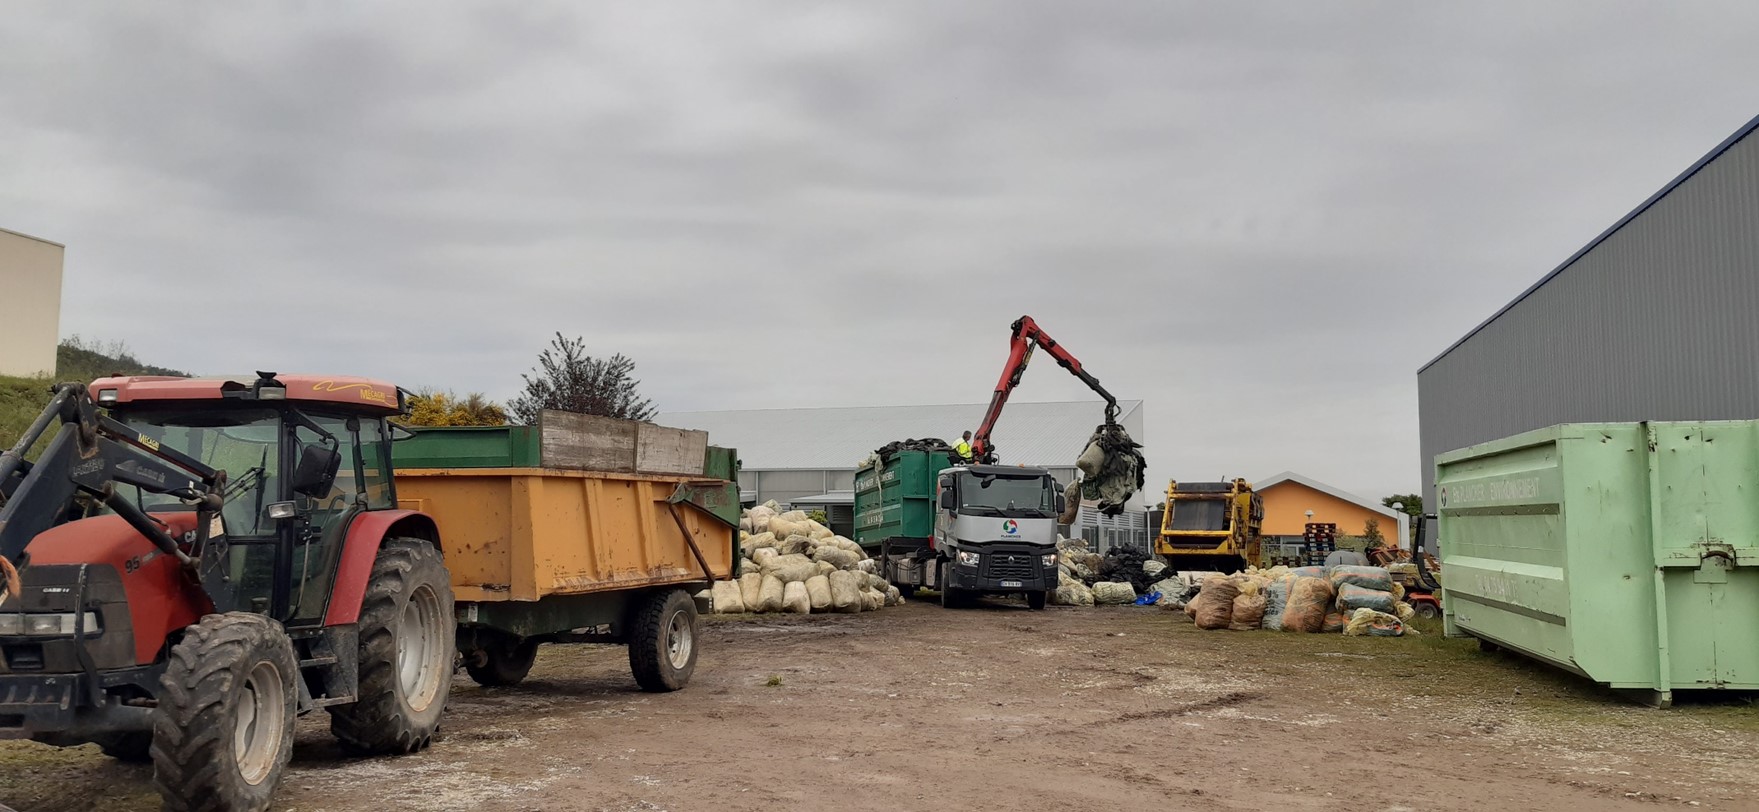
(963, 449)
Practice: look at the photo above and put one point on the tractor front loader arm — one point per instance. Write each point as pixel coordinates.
(89, 455)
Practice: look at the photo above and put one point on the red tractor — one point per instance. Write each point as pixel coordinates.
(190, 571)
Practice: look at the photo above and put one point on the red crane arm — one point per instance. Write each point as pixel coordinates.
(1027, 335)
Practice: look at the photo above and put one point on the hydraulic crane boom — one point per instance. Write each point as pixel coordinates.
(1026, 336)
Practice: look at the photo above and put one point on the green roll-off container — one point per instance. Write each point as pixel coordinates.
(894, 497)
(1624, 552)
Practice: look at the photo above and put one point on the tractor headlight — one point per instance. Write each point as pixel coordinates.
(45, 624)
(1050, 560)
(967, 559)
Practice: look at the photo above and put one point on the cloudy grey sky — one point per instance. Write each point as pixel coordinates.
(1260, 218)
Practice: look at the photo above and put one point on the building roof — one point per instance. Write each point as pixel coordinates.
(1743, 132)
(1044, 434)
(1370, 504)
(29, 237)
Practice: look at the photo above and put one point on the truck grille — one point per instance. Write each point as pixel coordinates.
(1012, 565)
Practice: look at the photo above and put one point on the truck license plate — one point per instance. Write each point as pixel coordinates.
(1011, 583)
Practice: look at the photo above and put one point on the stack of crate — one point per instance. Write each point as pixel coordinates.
(1319, 540)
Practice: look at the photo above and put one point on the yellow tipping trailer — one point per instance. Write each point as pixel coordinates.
(580, 529)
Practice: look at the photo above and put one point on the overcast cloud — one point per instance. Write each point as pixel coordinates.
(1260, 219)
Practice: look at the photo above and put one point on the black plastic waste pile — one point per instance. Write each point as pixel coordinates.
(924, 444)
(1124, 565)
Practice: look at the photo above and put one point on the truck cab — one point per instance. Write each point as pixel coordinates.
(995, 532)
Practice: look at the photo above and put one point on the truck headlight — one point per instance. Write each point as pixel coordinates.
(967, 559)
(45, 624)
(1050, 560)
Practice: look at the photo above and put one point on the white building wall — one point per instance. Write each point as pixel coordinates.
(30, 287)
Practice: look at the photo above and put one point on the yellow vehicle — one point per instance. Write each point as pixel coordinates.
(1211, 526)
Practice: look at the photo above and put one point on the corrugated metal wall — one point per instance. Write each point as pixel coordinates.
(1659, 321)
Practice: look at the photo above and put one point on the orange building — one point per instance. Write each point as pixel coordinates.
(1292, 500)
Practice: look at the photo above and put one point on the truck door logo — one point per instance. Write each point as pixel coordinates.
(1010, 527)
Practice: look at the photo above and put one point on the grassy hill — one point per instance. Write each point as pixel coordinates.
(22, 399)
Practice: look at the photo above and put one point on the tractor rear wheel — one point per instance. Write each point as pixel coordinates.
(223, 730)
(662, 640)
(1426, 610)
(505, 660)
(407, 647)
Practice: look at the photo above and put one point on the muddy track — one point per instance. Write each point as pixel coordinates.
(918, 707)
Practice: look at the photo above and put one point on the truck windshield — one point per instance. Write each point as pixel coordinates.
(244, 443)
(1004, 496)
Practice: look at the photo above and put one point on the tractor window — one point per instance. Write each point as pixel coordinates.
(245, 444)
(375, 461)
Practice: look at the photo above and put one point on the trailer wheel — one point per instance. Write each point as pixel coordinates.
(223, 730)
(505, 660)
(1036, 600)
(407, 647)
(134, 748)
(662, 641)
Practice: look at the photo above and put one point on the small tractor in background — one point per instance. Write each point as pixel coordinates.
(190, 572)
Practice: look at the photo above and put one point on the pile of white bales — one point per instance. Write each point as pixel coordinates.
(791, 563)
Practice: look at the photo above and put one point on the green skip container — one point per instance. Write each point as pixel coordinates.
(1627, 553)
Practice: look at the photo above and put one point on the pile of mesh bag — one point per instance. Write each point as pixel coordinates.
(1349, 599)
(790, 563)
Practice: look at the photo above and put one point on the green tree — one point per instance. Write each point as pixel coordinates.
(569, 380)
(1371, 536)
(1412, 503)
(436, 408)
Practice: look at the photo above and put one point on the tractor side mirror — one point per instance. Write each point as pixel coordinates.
(316, 472)
(949, 499)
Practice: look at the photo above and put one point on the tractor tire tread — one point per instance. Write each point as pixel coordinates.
(376, 722)
(190, 747)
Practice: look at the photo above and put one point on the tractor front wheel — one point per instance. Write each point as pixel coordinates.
(406, 653)
(223, 730)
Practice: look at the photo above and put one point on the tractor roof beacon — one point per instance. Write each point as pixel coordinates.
(191, 563)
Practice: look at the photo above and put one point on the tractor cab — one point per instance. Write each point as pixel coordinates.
(302, 459)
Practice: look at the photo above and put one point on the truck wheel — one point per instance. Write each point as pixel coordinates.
(223, 730)
(134, 748)
(950, 598)
(406, 652)
(505, 661)
(662, 641)
(1036, 600)
(906, 590)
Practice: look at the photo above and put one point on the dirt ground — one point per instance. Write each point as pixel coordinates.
(1000, 707)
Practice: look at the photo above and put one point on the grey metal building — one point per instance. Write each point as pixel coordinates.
(1655, 319)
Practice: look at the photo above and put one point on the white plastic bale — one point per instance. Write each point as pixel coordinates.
(867, 565)
(1073, 593)
(872, 600)
(757, 542)
(764, 555)
(826, 569)
(796, 599)
(845, 595)
(818, 592)
(726, 599)
(841, 559)
(795, 545)
(796, 516)
(893, 596)
(1106, 592)
(790, 568)
(750, 584)
(769, 595)
(782, 528)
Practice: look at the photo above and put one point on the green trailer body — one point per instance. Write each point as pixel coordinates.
(1624, 552)
(894, 497)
